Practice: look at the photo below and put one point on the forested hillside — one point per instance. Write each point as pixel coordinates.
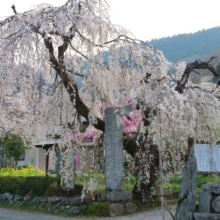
(187, 45)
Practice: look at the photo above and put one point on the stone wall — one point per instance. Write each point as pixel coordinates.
(209, 203)
(61, 204)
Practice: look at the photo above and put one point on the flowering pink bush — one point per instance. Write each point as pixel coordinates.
(77, 160)
(131, 123)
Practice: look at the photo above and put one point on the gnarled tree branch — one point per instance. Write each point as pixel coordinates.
(192, 67)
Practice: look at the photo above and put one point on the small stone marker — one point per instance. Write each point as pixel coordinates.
(70, 183)
(113, 149)
(188, 187)
(207, 156)
(205, 201)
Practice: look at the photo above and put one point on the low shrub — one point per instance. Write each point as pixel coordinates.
(78, 186)
(50, 191)
(97, 209)
(90, 173)
(23, 185)
(172, 187)
(176, 179)
(201, 180)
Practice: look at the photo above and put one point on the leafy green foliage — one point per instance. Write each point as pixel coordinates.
(90, 174)
(172, 187)
(175, 179)
(200, 181)
(129, 180)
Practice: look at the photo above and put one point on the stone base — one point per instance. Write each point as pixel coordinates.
(114, 196)
(206, 216)
(68, 193)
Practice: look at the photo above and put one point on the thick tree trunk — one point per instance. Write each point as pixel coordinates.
(146, 164)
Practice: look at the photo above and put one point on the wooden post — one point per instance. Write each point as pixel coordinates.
(160, 155)
(1, 154)
(47, 162)
(168, 209)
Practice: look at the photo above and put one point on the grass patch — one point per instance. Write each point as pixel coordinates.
(22, 205)
(95, 209)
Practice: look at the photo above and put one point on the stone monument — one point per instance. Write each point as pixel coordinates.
(113, 149)
(207, 156)
(114, 157)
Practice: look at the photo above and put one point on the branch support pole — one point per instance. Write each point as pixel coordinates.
(160, 156)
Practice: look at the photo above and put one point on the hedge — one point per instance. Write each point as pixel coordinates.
(23, 185)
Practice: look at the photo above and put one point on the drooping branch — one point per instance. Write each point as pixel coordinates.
(119, 38)
(192, 67)
(72, 89)
(78, 74)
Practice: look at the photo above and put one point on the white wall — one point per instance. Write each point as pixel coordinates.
(30, 157)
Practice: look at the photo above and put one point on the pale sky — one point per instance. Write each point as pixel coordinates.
(146, 19)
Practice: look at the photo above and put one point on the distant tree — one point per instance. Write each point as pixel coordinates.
(13, 147)
(181, 46)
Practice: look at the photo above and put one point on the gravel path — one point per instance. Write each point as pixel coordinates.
(153, 214)
(13, 214)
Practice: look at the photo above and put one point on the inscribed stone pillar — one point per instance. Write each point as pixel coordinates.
(71, 159)
(113, 149)
(57, 168)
